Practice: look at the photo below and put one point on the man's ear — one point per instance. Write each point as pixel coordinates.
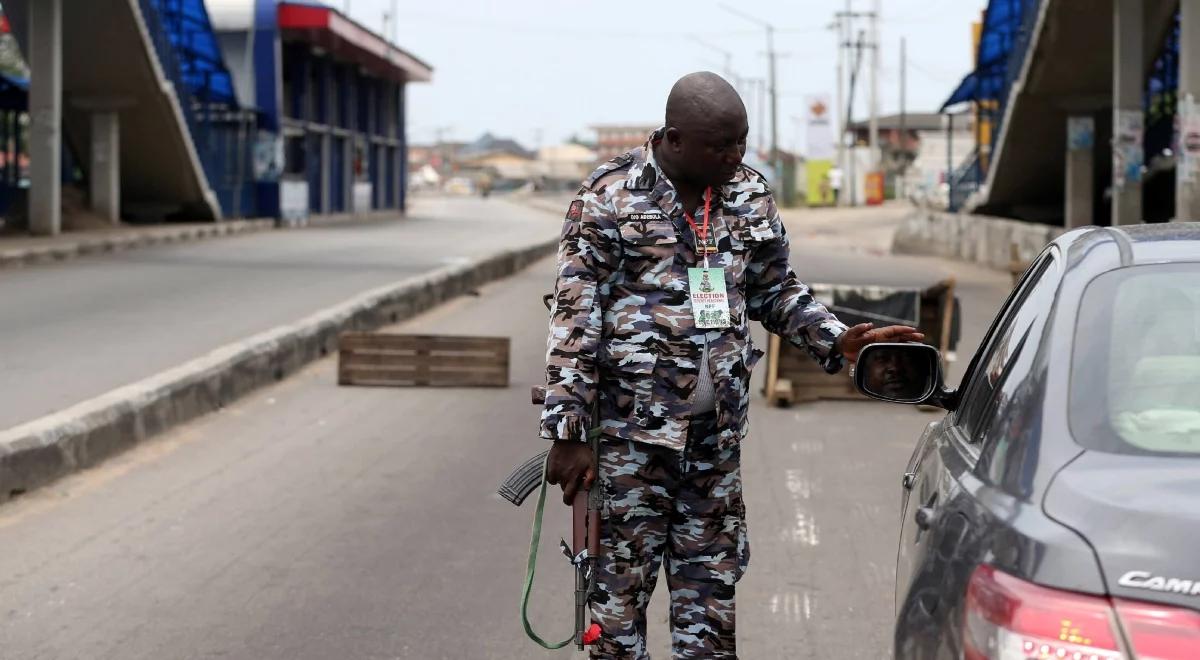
(674, 138)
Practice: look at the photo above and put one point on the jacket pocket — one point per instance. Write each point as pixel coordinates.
(649, 252)
(630, 368)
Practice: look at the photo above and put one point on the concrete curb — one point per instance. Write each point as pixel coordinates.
(980, 239)
(124, 240)
(117, 241)
(38, 452)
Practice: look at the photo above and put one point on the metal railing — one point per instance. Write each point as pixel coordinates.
(220, 131)
(1018, 41)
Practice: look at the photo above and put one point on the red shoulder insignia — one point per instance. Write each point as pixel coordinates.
(575, 210)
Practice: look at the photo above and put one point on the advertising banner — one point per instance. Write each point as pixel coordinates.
(820, 192)
(1128, 147)
(819, 129)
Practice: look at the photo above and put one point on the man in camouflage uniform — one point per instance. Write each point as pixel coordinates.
(672, 398)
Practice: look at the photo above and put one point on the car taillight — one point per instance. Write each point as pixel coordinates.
(1160, 632)
(1010, 619)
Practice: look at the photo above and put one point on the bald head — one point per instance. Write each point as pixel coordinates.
(706, 131)
(699, 97)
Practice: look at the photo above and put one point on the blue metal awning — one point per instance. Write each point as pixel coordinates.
(967, 90)
(1002, 24)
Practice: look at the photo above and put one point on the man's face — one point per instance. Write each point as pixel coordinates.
(710, 151)
(889, 374)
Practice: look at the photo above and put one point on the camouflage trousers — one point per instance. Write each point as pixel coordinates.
(684, 507)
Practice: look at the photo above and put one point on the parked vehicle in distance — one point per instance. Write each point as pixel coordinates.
(1054, 511)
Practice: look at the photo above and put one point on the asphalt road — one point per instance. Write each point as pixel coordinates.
(309, 521)
(72, 331)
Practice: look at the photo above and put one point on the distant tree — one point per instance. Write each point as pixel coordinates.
(575, 139)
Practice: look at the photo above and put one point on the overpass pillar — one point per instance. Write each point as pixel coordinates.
(1187, 169)
(105, 172)
(1128, 150)
(1081, 164)
(45, 113)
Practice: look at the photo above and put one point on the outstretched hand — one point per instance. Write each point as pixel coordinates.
(860, 336)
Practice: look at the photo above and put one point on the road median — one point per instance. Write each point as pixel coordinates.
(38, 452)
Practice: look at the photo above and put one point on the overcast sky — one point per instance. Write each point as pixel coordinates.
(546, 69)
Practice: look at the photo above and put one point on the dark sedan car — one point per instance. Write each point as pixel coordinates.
(1054, 512)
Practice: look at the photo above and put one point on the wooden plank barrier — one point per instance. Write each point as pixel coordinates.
(793, 376)
(395, 360)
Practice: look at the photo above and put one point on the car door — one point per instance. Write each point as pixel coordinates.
(937, 518)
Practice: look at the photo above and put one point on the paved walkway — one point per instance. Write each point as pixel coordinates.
(74, 330)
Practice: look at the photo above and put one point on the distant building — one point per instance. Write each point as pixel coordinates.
(920, 150)
(570, 163)
(500, 157)
(612, 140)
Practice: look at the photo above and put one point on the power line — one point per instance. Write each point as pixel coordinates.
(574, 31)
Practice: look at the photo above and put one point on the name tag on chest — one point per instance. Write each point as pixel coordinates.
(710, 301)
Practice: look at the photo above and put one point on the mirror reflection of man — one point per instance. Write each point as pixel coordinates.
(894, 374)
(671, 387)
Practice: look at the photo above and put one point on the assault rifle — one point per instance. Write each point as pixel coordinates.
(584, 550)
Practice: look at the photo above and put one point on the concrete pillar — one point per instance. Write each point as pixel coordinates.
(1129, 84)
(105, 171)
(326, 171)
(348, 174)
(45, 110)
(1187, 170)
(1081, 164)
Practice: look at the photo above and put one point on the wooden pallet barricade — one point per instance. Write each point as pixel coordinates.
(793, 376)
(395, 360)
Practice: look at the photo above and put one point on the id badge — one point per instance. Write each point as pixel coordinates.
(710, 302)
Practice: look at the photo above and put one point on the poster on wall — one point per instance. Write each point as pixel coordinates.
(1189, 139)
(1081, 133)
(818, 120)
(293, 202)
(1128, 149)
(268, 156)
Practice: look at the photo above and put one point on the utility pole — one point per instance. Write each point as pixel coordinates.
(773, 91)
(854, 69)
(852, 58)
(761, 86)
(903, 117)
(839, 112)
(873, 139)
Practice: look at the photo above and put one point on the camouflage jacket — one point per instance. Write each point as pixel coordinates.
(621, 330)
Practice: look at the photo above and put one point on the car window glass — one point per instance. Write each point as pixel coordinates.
(1026, 307)
(1135, 365)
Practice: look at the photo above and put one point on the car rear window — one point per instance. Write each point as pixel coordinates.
(1135, 366)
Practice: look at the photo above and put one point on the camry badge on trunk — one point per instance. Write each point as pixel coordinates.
(1147, 580)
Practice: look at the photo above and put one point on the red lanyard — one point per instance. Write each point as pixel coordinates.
(702, 231)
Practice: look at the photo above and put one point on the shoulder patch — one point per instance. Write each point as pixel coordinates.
(575, 211)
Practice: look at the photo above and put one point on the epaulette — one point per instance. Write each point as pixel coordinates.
(760, 175)
(620, 162)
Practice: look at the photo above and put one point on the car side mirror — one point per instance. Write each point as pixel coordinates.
(901, 373)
